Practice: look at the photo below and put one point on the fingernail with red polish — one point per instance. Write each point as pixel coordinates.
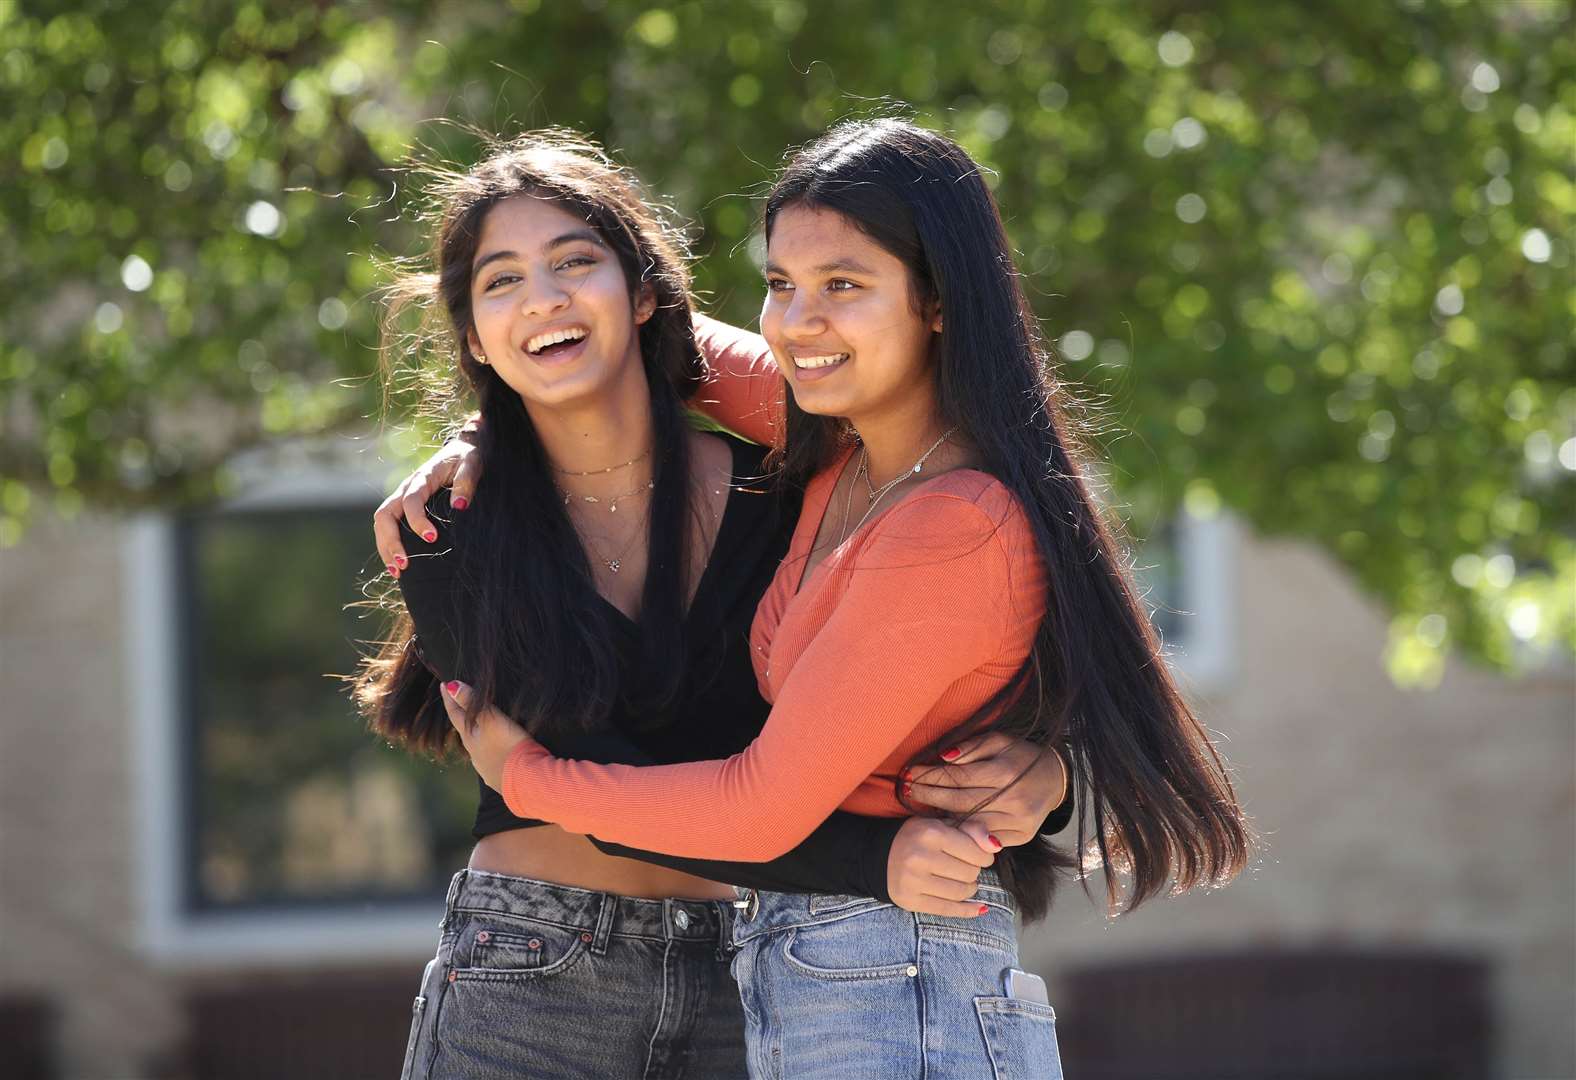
(459, 502)
(451, 686)
(949, 753)
(984, 908)
(393, 571)
(908, 789)
(400, 561)
(994, 842)
(429, 536)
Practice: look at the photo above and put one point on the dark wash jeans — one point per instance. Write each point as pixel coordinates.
(533, 979)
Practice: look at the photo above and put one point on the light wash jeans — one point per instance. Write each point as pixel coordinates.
(846, 987)
(533, 979)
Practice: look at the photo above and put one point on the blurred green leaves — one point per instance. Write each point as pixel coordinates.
(1309, 262)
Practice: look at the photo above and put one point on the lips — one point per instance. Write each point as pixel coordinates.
(822, 360)
(560, 336)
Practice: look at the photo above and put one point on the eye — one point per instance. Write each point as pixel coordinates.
(778, 285)
(575, 261)
(841, 285)
(499, 280)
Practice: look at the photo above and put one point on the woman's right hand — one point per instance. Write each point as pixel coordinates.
(934, 867)
(457, 464)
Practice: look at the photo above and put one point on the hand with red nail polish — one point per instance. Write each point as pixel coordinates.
(1002, 787)
(489, 738)
(933, 868)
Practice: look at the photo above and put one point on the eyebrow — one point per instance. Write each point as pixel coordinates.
(570, 237)
(846, 264)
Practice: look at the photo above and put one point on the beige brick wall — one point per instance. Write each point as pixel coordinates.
(68, 906)
(1442, 818)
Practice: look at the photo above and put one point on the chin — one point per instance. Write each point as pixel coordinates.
(818, 402)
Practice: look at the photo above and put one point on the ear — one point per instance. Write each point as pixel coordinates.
(645, 303)
(474, 343)
(935, 318)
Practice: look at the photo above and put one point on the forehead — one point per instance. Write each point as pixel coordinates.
(526, 224)
(806, 237)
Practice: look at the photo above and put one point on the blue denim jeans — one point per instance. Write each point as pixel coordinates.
(533, 979)
(846, 987)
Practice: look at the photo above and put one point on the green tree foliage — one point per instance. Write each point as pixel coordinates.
(1308, 262)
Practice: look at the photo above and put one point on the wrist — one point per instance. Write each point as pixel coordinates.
(1066, 775)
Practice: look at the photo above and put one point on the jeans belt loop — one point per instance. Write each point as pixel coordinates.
(604, 925)
(455, 884)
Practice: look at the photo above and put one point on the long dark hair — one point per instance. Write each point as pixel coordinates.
(1152, 792)
(532, 608)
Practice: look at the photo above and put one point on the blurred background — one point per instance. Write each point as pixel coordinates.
(1309, 267)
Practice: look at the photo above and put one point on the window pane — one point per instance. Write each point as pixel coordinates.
(291, 798)
(1160, 584)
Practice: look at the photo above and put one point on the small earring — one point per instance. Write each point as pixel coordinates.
(481, 358)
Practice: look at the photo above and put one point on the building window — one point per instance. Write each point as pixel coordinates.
(273, 827)
(1186, 584)
(290, 799)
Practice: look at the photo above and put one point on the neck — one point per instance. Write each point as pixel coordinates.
(895, 440)
(599, 432)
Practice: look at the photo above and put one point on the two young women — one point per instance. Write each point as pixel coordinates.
(949, 575)
(618, 630)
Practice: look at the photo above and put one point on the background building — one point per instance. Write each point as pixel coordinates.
(1393, 822)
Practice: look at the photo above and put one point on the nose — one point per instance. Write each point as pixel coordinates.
(543, 296)
(802, 316)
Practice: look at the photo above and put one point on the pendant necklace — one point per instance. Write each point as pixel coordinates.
(616, 561)
(612, 502)
(876, 494)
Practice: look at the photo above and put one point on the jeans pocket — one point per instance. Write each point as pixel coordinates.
(418, 1010)
(513, 948)
(1020, 1038)
(874, 945)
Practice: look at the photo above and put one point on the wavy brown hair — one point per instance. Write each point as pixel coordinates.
(532, 609)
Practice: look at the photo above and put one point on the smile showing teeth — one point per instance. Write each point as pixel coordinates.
(542, 341)
(819, 361)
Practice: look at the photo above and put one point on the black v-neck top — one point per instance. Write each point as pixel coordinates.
(718, 710)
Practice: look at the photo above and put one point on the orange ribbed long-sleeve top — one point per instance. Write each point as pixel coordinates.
(898, 635)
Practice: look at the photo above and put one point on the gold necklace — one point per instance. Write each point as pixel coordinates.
(612, 502)
(879, 493)
(617, 561)
(611, 468)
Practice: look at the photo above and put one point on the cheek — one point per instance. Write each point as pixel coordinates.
(771, 317)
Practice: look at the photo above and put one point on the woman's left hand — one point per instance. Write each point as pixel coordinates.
(489, 739)
(975, 771)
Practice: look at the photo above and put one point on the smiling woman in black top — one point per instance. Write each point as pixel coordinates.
(600, 592)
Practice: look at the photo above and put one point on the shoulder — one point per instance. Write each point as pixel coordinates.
(746, 460)
(962, 521)
(963, 501)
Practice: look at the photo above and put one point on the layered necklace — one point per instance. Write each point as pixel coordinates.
(876, 494)
(616, 561)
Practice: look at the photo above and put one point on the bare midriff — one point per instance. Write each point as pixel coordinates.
(548, 853)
